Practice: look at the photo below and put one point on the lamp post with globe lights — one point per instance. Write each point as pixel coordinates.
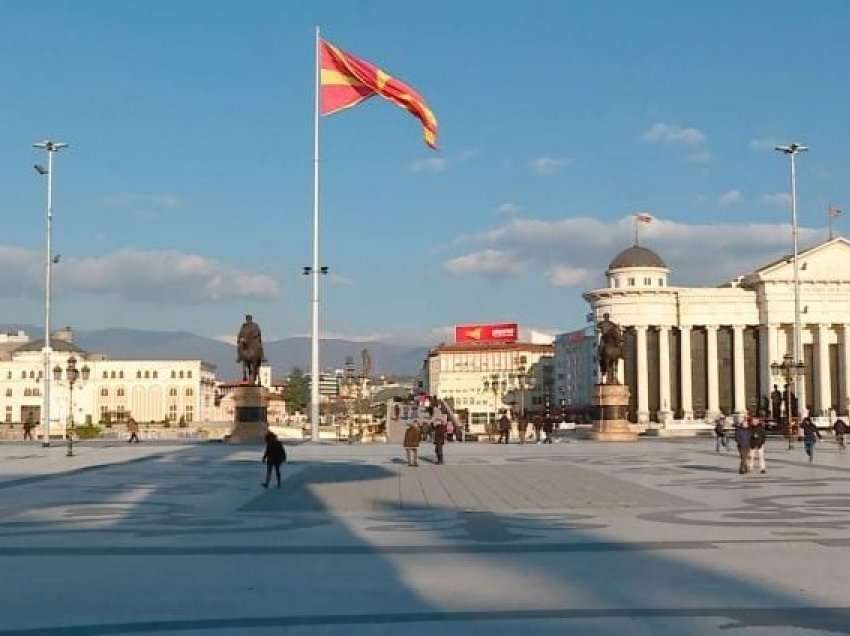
(789, 370)
(72, 374)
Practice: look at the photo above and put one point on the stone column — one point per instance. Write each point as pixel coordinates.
(740, 399)
(642, 376)
(713, 407)
(769, 354)
(845, 366)
(685, 369)
(823, 387)
(665, 413)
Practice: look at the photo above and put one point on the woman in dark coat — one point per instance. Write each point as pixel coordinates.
(274, 456)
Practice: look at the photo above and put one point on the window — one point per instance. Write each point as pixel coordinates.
(172, 413)
(154, 375)
(138, 375)
(631, 282)
(188, 374)
(647, 281)
(121, 375)
(32, 375)
(104, 392)
(189, 392)
(27, 392)
(8, 392)
(173, 374)
(36, 392)
(172, 392)
(189, 413)
(120, 392)
(119, 413)
(105, 375)
(147, 374)
(8, 413)
(9, 375)
(181, 375)
(23, 375)
(112, 375)
(661, 282)
(104, 411)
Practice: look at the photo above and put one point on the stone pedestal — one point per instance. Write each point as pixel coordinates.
(249, 415)
(610, 402)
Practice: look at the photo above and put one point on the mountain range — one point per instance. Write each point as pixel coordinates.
(284, 354)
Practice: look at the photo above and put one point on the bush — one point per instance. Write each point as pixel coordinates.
(87, 432)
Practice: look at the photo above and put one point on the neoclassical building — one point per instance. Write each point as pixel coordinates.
(692, 353)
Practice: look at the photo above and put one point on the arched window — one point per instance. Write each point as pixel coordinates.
(147, 374)
(189, 392)
(112, 375)
(120, 392)
(188, 374)
(139, 375)
(105, 375)
(121, 375)
(181, 375)
(173, 375)
(27, 392)
(32, 375)
(104, 392)
(23, 375)
(155, 375)
(172, 392)
(8, 392)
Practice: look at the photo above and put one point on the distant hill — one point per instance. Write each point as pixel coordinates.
(284, 354)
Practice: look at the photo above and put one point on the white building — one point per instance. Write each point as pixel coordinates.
(483, 378)
(106, 390)
(696, 352)
(575, 369)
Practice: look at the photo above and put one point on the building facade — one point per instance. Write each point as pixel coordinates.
(484, 378)
(575, 369)
(694, 353)
(106, 390)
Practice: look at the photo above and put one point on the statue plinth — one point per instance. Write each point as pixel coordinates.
(249, 415)
(610, 402)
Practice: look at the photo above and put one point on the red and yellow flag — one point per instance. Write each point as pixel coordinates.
(347, 80)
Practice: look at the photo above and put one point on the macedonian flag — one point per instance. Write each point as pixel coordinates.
(347, 80)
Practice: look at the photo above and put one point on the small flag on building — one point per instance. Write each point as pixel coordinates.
(346, 80)
(641, 217)
(832, 213)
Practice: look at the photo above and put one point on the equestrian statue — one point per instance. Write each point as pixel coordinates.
(249, 347)
(610, 350)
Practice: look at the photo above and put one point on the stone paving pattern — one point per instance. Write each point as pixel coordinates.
(656, 537)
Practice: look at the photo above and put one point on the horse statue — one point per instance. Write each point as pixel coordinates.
(249, 347)
(610, 350)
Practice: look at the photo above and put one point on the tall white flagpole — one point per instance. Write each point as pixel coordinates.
(314, 365)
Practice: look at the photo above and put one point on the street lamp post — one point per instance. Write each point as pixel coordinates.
(494, 385)
(72, 374)
(792, 150)
(789, 369)
(51, 147)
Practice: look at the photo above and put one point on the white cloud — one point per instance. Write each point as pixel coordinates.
(673, 134)
(776, 200)
(509, 209)
(488, 262)
(576, 250)
(145, 206)
(730, 197)
(428, 164)
(764, 143)
(136, 275)
(568, 276)
(701, 156)
(548, 165)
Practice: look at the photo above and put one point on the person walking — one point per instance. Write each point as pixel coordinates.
(504, 428)
(28, 430)
(720, 434)
(274, 456)
(133, 429)
(548, 427)
(758, 437)
(743, 436)
(776, 404)
(412, 437)
(811, 435)
(840, 429)
(522, 428)
(439, 441)
(538, 426)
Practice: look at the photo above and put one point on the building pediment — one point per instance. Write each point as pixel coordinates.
(827, 261)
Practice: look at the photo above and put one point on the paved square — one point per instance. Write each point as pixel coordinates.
(657, 537)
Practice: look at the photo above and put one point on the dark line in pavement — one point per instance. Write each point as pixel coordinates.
(405, 550)
(835, 619)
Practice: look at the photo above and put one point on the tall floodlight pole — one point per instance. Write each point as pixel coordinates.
(50, 147)
(792, 150)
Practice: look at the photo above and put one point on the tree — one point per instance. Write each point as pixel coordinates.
(297, 391)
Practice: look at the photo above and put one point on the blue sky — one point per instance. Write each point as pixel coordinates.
(186, 197)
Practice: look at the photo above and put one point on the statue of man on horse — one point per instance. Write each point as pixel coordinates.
(249, 347)
(610, 350)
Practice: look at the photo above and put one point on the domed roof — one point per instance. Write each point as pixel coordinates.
(56, 344)
(636, 256)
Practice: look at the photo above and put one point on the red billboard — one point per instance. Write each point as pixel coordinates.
(499, 332)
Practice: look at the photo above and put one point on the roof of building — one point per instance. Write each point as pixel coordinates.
(56, 344)
(636, 256)
(492, 346)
